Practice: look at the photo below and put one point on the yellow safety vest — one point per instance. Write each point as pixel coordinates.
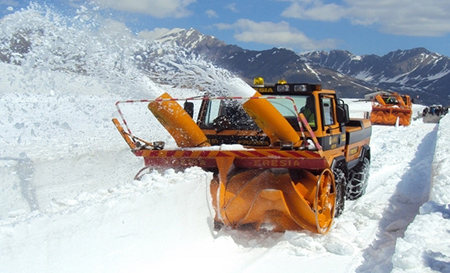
(310, 117)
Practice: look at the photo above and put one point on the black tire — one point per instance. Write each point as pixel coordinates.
(339, 180)
(218, 225)
(358, 180)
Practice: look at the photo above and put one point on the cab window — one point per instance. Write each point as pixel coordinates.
(328, 111)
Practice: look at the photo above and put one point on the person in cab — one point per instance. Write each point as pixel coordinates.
(309, 111)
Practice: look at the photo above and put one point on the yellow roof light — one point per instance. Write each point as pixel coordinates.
(258, 81)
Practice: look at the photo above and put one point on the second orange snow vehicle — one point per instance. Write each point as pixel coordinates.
(273, 169)
(388, 108)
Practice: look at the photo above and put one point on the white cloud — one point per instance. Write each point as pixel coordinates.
(153, 34)
(232, 7)
(211, 13)
(315, 10)
(279, 34)
(399, 17)
(155, 8)
(115, 28)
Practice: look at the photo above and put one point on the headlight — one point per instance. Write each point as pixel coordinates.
(300, 87)
(283, 88)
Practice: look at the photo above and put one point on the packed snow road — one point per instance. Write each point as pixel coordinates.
(399, 184)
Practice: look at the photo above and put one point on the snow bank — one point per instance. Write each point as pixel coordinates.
(424, 248)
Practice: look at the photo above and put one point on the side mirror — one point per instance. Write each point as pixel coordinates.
(189, 108)
(342, 112)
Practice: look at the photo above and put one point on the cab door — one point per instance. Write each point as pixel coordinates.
(333, 136)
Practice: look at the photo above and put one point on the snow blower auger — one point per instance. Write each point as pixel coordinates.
(388, 108)
(275, 168)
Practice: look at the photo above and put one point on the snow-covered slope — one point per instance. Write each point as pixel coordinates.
(68, 201)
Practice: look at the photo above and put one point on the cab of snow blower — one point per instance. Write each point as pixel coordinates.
(388, 109)
(285, 158)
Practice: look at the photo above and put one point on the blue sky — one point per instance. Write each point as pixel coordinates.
(360, 26)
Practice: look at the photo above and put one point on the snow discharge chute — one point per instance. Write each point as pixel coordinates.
(177, 122)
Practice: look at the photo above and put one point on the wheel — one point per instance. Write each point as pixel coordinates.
(358, 180)
(339, 179)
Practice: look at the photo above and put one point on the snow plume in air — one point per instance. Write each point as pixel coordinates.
(42, 41)
(167, 64)
(48, 61)
(91, 45)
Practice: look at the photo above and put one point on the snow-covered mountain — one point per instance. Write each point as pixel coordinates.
(68, 201)
(416, 72)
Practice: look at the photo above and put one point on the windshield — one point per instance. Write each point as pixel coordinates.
(233, 112)
(304, 103)
(286, 106)
(229, 111)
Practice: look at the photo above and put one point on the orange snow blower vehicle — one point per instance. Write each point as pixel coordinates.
(285, 158)
(388, 109)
